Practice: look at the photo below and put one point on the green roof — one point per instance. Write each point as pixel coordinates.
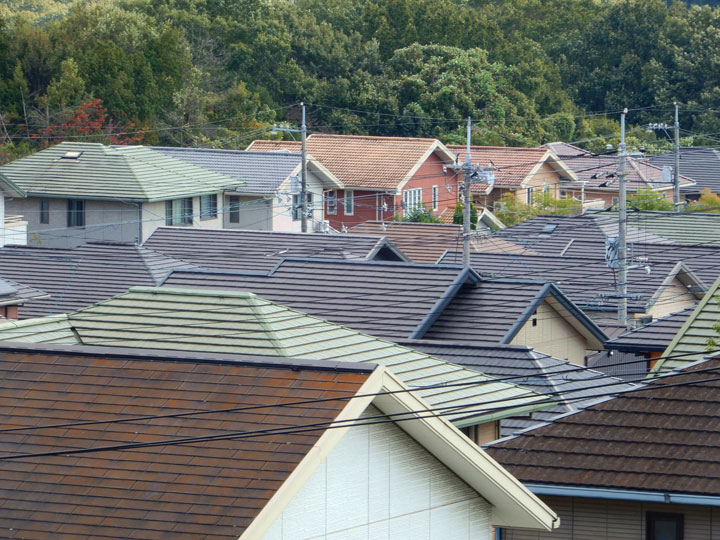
(130, 173)
(692, 340)
(242, 323)
(680, 227)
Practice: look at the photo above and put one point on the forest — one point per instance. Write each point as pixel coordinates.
(221, 72)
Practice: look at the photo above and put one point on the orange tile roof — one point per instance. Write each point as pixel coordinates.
(361, 161)
(212, 489)
(514, 164)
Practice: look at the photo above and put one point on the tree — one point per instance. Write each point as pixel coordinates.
(648, 199)
(459, 217)
(708, 202)
(511, 211)
(419, 214)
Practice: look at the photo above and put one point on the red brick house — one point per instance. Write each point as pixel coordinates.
(383, 176)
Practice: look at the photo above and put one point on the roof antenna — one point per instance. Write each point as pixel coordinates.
(344, 229)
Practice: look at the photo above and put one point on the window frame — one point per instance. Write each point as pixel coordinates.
(234, 209)
(332, 201)
(528, 194)
(209, 211)
(651, 519)
(349, 195)
(412, 199)
(435, 201)
(75, 213)
(297, 206)
(178, 217)
(44, 212)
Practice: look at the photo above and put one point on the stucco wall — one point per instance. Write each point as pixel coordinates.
(600, 519)
(548, 332)
(104, 220)
(379, 483)
(674, 297)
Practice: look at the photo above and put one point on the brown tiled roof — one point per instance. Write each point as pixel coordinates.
(663, 438)
(422, 242)
(361, 161)
(513, 164)
(210, 490)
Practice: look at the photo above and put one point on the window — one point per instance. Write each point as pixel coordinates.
(349, 202)
(208, 206)
(332, 202)
(664, 526)
(412, 199)
(234, 210)
(76, 213)
(434, 197)
(297, 206)
(45, 212)
(529, 195)
(179, 212)
(563, 194)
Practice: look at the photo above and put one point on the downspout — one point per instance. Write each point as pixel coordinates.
(140, 221)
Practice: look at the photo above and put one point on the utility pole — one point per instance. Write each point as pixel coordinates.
(481, 175)
(676, 171)
(622, 227)
(302, 203)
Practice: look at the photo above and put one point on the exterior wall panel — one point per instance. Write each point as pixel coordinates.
(379, 483)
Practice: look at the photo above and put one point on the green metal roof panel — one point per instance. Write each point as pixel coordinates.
(101, 172)
(692, 339)
(242, 323)
(52, 329)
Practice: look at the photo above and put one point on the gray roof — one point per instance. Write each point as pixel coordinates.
(96, 171)
(260, 251)
(12, 293)
(587, 282)
(700, 164)
(655, 336)
(261, 172)
(573, 387)
(393, 300)
(76, 278)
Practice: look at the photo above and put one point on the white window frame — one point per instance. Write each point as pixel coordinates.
(412, 199)
(528, 194)
(332, 200)
(75, 213)
(179, 211)
(234, 209)
(435, 198)
(209, 206)
(349, 202)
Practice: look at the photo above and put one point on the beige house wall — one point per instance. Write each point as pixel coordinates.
(543, 176)
(604, 519)
(673, 298)
(547, 331)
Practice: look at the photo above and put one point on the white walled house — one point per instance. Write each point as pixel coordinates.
(75, 192)
(267, 198)
(14, 227)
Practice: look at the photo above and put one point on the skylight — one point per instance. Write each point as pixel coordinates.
(73, 155)
(549, 228)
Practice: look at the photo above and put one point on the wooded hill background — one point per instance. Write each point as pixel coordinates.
(219, 72)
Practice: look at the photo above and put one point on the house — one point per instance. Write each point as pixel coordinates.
(75, 192)
(591, 285)
(699, 163)
(229, 322)
(648, 341)
(419, 301)
(230, 447)
(268, 191)
(698, 336)
(427, 242)
(383, 176)
(572, 387)
(14, 227)
(72, 279)
(261, 251)
(641, 466)
(521, 171)
(596, 175)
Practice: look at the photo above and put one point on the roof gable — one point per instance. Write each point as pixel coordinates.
(362, 161)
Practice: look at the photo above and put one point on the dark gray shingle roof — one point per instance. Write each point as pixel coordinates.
(260, 251)
(262, 172)
(700, 164)
(655, 336)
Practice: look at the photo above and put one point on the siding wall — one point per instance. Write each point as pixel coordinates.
(552, 335)
(154, 217)
(366, 208)
(600, 519)
(428, 175)
(379, 484)
(673, 298)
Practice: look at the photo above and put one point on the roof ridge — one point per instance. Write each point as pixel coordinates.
(370, 137)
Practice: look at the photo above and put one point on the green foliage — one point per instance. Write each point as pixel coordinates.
(420, 214)
(511, 211)
(648, 199)
(459, 218)
(708, 202)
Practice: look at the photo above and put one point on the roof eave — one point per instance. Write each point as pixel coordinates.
(667, 497)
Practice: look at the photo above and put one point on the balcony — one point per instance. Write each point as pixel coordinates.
(14, 231)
